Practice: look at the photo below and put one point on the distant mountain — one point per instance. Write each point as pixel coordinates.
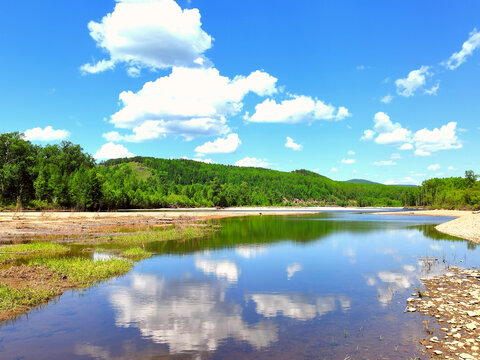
(362, 181)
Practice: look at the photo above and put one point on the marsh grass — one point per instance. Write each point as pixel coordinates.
(17, 299)
(85, 272)
(172, 233)
(33, 248)
(11, 253)
(136, 254)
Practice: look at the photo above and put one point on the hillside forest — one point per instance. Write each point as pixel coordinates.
(63, 176)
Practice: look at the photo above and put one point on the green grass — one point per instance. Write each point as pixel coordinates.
(136, 254)
(165, 235)
(85, 272)
(21, 251)
(14, 299)
(34, 248)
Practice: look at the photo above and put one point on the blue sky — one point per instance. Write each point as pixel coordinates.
(387, 92)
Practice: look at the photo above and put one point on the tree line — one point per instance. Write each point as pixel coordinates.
(63, 176)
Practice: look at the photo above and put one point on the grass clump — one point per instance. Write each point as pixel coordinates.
(18, 299)
(136, 254)
(85, 272)
(177, 233)
(34, 248)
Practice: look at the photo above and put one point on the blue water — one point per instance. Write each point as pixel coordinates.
(325, 286)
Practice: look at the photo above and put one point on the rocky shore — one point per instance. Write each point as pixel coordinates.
(452, 302)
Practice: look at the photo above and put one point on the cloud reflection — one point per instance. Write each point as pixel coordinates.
(292, 269)
(299, 307)
(186, 314)
(222, 269)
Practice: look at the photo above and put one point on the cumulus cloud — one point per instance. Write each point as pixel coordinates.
(348, 161)
(384, 163)
(389, 133)
(468, 47)
(406, 147)
(368, 135)
(424, 141)
(46, 134)
(112, 151)
(351, 152)
(438, 139)
(220, 146)
(334, 169)
(433, 167)
(292, 145)
(387, 99)
(416, 78)
(151, 34)
(188, 102)
(252, 162)
(420, 152)
(298, 109)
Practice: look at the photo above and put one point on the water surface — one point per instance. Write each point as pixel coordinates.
(323, 286)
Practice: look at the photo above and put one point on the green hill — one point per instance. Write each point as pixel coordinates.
(64, 176)
(362, 181)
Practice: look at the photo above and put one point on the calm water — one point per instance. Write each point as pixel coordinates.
(324, 286)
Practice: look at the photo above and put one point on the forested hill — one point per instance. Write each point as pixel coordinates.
(64, 176)
(192, 183)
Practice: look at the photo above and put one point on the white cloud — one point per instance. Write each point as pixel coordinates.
(451, 168)
(368, 135)
(348, 161)
(46, 134)
(420, 152)
(334, 169)
(417, 78)
(112, 151)
(152, 34)
(351, 152)
(433, 167)
(292, 145)
(438, 139)
(433, 90)
(387, 99)
(296, 110)
(406, 147)
(220, 146)
(389, 133)
(395, 137)
(188, 102)
(395, 156)
(252, 162)
(384, 163)
(468, 48)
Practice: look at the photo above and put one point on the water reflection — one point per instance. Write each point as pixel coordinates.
(297, 306)
(262, 287)
(187, 314)
(222, 269)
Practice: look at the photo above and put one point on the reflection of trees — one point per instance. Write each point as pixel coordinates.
(429, 231)
(269, 229)
(186, 314)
